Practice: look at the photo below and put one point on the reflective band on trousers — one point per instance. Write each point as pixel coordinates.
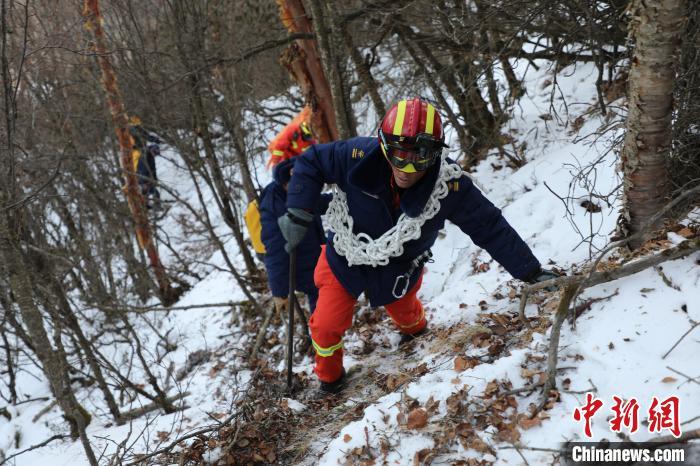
(422, 315)
(277, 152)
(326, 352)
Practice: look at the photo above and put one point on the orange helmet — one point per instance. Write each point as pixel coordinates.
(411, 135)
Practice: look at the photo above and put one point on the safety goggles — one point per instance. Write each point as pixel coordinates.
(411, 154)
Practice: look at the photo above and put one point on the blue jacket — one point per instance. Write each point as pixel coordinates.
(272, 206)
(146, 167)
(359, 169)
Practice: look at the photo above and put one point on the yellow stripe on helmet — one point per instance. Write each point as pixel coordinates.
(400, 115)
(430, 119)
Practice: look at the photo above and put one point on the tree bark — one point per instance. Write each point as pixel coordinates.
(294, 17)
(323, 25)
(656, 27)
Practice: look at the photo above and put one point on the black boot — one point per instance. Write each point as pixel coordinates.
(409, 337)
(333, 388)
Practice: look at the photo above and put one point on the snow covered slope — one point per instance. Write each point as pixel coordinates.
(446, 398)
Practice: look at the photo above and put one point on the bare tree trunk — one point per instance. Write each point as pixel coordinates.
(364, 73)
(93, 21)
(22, 288)
(437, 92)
(233, 122)
(294, 16)
(227, 204)
(656, 27)
(52, 361)
(326, 29)
(11, 383)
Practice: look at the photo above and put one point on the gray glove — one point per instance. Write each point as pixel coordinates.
(293, 226)
(542, 276)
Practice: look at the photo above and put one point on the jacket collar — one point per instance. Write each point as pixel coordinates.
(372, 175)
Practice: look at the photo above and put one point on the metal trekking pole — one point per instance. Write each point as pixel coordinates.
(290, 324)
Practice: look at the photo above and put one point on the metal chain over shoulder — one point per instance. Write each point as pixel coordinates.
(361, 249)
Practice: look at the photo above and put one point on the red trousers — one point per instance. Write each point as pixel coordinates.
(333, 316)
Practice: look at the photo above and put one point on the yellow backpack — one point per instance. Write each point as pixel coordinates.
(252, 221)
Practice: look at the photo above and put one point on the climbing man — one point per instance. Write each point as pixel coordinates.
(144, 151)
(273, 204)
(294, 139)
(392, 196)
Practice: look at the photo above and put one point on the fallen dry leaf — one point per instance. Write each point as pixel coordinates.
(347, 438)
(462, 364)
(417, 418)
(432, 406)
(526, 423)
(421, 456)
(475, 443)
(669, 379)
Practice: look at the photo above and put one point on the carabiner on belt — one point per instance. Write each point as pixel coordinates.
(402, 293)
(415, 263)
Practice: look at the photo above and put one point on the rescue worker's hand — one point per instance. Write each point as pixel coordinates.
(542, 276)
(280, 305)
(293, 226)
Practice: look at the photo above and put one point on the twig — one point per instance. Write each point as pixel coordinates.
(586, 305)
(34, 447)
(690, 379)
(261, 332)
(144, 309)
(680, 339)
(685, 437)
(522, 447)
(174, 443)
(665, 279)
(644, 230)
(690, 420)
(304, 325)
(521, 454)
(596, 278)
(138, 412)
(593, 389)
(521, 310)
(526, 388)
(44, 410)
(36, 192)
(5, 412)
(560, 317)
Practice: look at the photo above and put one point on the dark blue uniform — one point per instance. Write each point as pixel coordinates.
(272, 206)
(359, 169)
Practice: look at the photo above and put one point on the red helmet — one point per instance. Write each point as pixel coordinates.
(411, 135)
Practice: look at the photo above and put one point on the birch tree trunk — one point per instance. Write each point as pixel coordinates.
(656, 27)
